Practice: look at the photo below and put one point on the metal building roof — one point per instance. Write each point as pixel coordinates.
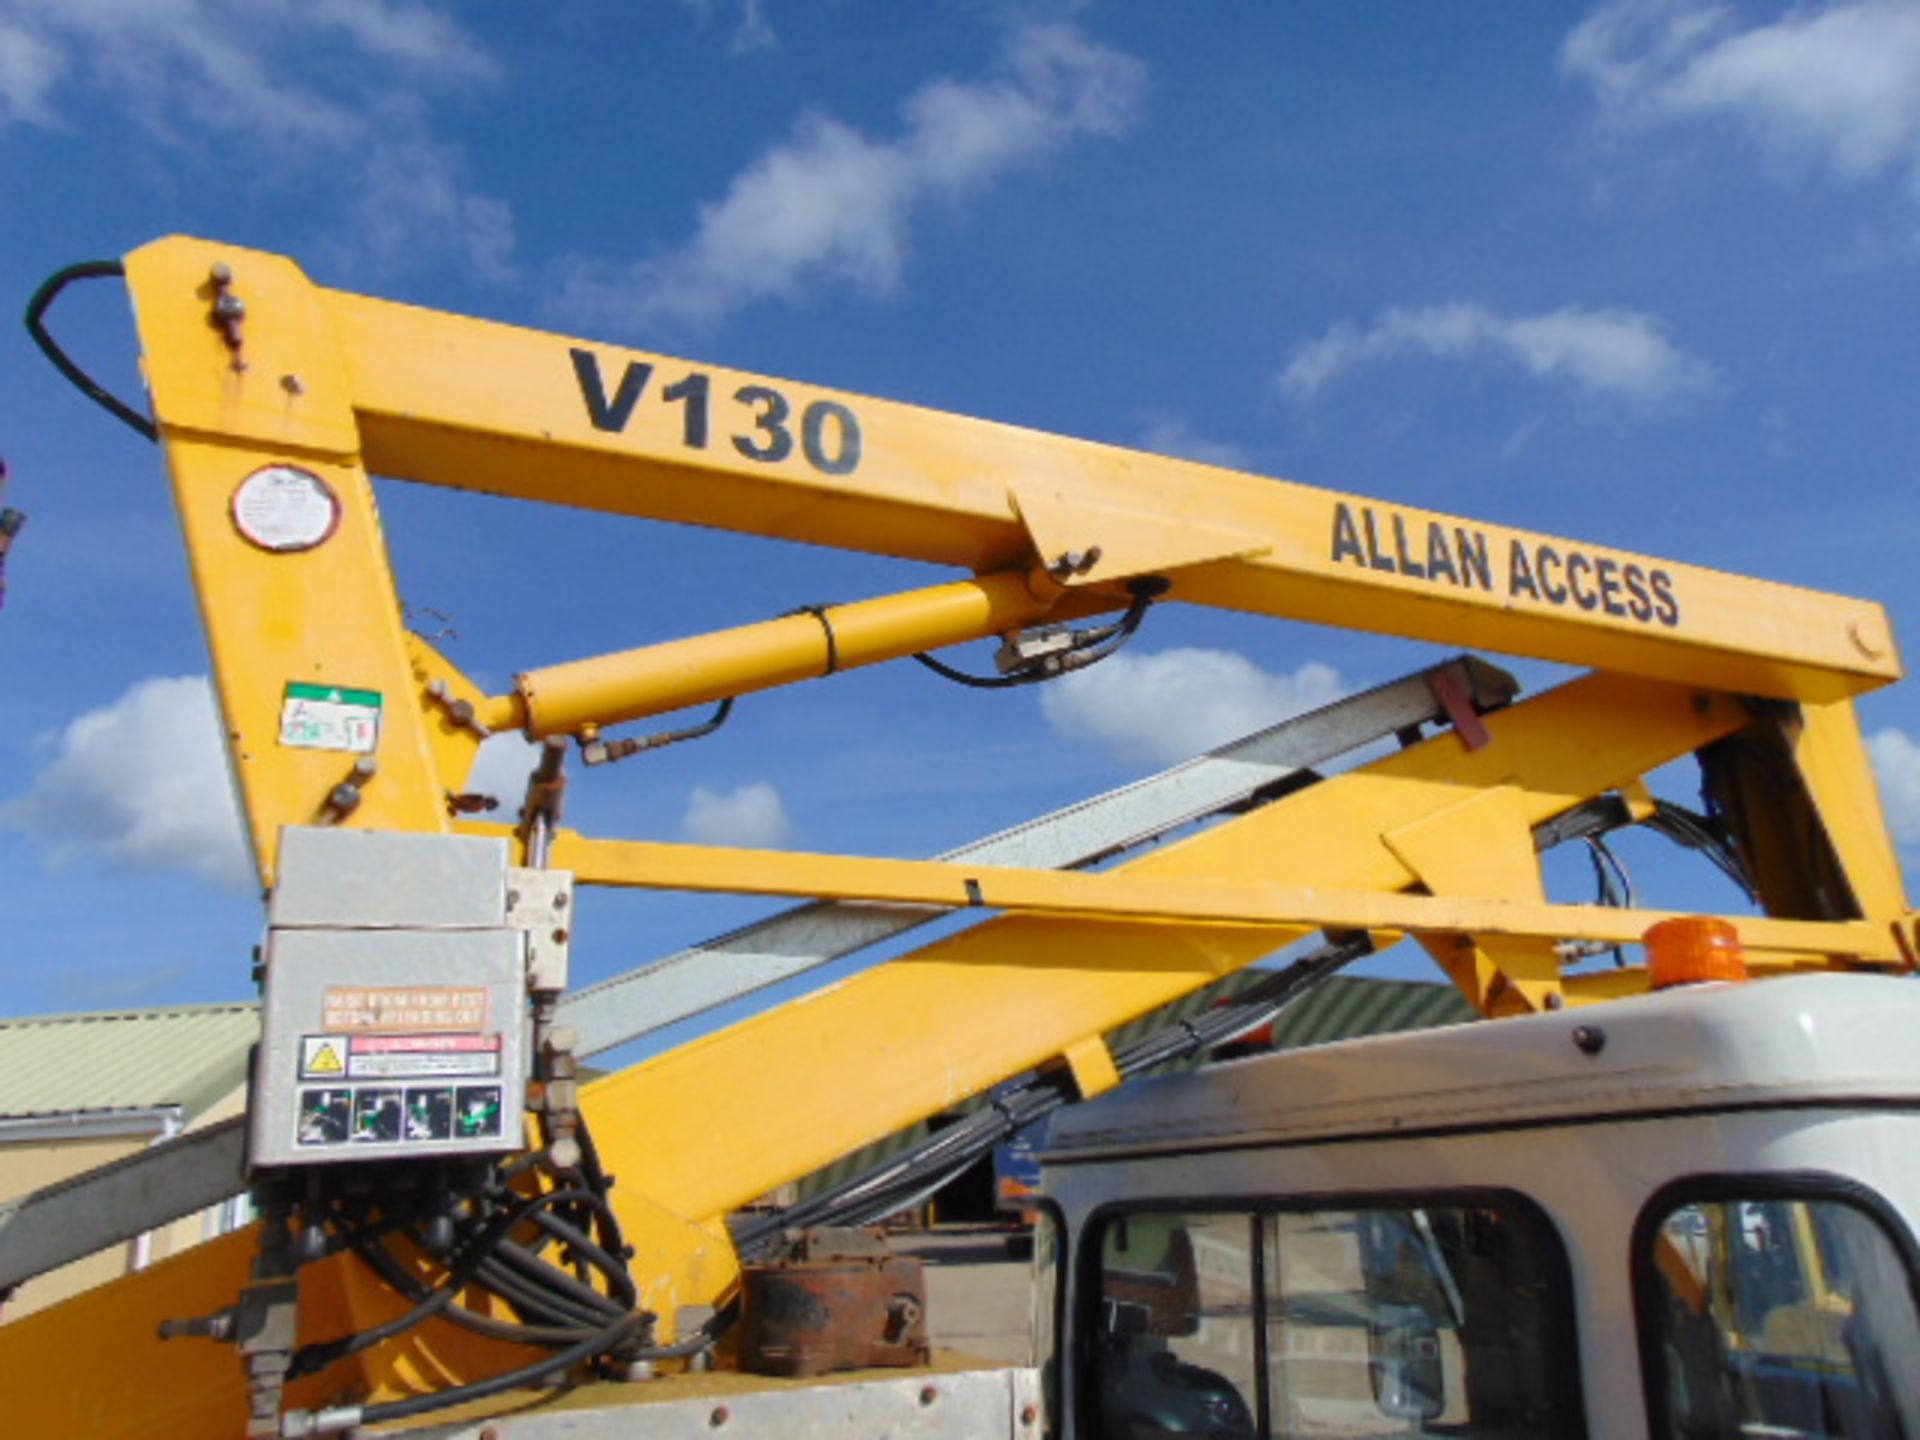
(1338, 1008)
(188, 1056)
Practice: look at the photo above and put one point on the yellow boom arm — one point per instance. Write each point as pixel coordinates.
(275, 399)
(341, 386)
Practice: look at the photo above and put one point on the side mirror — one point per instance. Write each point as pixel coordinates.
(1403, 1363)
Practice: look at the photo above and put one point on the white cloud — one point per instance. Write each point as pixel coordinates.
(227, 81)
(755, 31)
(1840, 82)
(1622, 353)
(413, 200)
(1170, 706)
(1896, 761)
(752, 30)
(831, 205)
(29, 69)
(751, 816)
(1170, 435)
(142, 781)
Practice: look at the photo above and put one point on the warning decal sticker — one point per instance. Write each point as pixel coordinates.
(327, 717)
(322, 1057)
(408, 1009)
(387, 1056)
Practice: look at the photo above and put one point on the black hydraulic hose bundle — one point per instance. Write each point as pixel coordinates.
(903, 1180)
(581, 1307)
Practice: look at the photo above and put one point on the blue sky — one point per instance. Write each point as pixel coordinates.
(1640, 273)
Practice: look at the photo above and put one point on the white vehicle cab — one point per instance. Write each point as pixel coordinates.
(1688, 1214)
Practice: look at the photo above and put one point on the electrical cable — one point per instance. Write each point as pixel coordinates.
(534, 1371)
(44, 297)
(1614, 883)
(1710, 835)
(819, 612)
(1085, 647)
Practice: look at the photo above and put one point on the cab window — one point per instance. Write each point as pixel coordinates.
(1173, 1346)
(1788, 1316)
(1404, 1319)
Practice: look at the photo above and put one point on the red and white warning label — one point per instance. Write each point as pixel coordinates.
(371, 1057)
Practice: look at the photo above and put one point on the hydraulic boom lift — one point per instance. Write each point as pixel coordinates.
(415, 1002)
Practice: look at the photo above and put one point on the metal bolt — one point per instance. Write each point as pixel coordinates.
(1589, 1039)
(221, 274)
(719, 1417)
(1074, 562)
(492, 1432)
(1556, 1001)
(293, 385)
(1029, 1414)
(928, 1395)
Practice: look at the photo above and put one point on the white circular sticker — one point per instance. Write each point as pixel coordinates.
(282, 508)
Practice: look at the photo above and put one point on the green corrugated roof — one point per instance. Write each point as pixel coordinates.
(1338, 1008)
(188, 1056)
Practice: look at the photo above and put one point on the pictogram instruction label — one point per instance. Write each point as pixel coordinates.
(404, 1009)
(387, 1114)
(326, 717)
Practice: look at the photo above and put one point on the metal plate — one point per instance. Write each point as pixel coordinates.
(963, 1405)
(389, 1044)
(332, 877)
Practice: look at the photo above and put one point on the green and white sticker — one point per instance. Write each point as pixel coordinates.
(324, 717)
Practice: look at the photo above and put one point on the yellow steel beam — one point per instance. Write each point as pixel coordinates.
(787, 1091)
(447, 400)
(1123, 895)
(1839, 777)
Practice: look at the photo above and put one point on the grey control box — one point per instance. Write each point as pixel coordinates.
(394, 1012)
